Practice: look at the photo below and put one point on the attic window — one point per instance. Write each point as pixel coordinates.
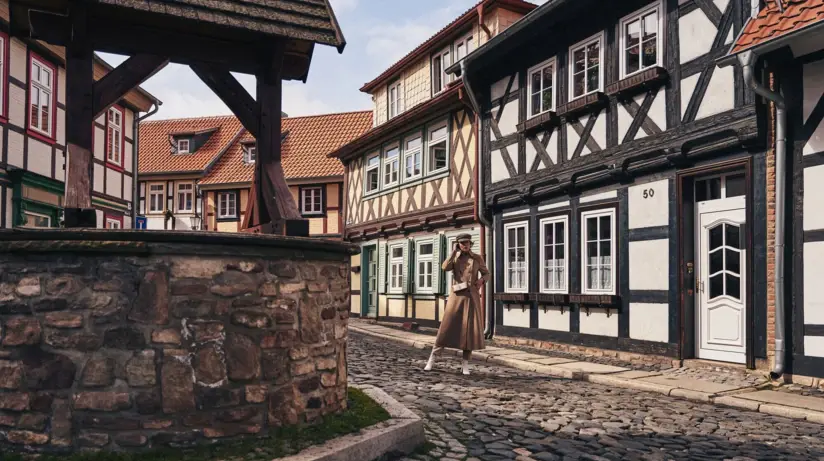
(182, 146)
(249, 153)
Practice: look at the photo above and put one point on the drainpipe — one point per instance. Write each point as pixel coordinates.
(135, 150)
(747, 60)
(489, 331)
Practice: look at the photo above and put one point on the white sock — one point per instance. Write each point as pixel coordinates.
(465, 367)
(431, 361)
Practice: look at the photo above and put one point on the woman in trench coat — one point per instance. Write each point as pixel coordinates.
(462, 326)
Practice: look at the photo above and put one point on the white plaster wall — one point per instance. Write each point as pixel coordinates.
(498, 89)
(720, 95)
(99, 173)
(552, 147)
(154, 222)
(553, 319)
(101, 219)
(649, 265)
(508, 123)
(17, 106)
(127, 188)
(687, 89)
(814, 346)
(531, 153)
(516, 213)
(599, 130)
(61, 85)
(813, 198)
(60, 166)
(813, 90)
(99, 143)
(652, 211)
(396, 307)
(695, 35)
(516, 317)
(127, 222)
(127, 157)
(129, 124)
(40, 157)
(15, 146)
(114, 180)
(597, 323)
(649, 322)
(19, 59)
(813, 276)
(722, 4)
(572, 141)
(624, 121)
(553, 206)
(600, 196)
(60, 134)
(658, 109)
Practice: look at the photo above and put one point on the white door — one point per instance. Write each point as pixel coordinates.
(721, 291)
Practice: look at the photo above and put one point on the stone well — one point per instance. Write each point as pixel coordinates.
(131, 340)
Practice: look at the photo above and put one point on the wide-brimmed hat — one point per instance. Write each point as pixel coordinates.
(464, 238)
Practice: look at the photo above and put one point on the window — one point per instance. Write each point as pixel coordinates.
(41, 97)
(463, 47)
(599, 247)
(640, 41)
(516, 253)
(182, 146)
(585, 66)
(311, 201)
(554, 255)
(437, 148)
(720, 187)
(185, 197)
(36, 220)
(249, 153)
(439, 76)
(425, 265)
(412, 157)
(394, 99)
(156, 198)
(396, 268)
(373, 164)
(114, 136)
(390, 166)
(226, 205)
(113, 223)
(542, 88)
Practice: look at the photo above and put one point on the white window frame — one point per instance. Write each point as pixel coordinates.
(161, 202)
(430, 258)
(38, 215)
(445, 78)
(311, 193)
(40, 88)
(368, 169)
(507, 263)
(540, 68)
(613, 247)
(223, 211)
(599, 37)
(186, 188)
(391, 165)
(657, 6)
(394, 105)
(564, 219)
(430, 160)
(468, 43)
(407, 153)
(112, 223)
(180, 143)
(395, 262)
(111, 128)
(250, 153)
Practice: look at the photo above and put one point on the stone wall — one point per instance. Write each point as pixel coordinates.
(132, 345)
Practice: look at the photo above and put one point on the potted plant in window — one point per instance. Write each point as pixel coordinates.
(167, 215)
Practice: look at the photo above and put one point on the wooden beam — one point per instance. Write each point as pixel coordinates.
(231, 92)
(122, 79)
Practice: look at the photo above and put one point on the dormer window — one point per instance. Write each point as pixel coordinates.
(394, 99)
(249, 153)
(463, 47)
(440, 78)
(182, 146)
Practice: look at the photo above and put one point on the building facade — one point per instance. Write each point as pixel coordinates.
(411, 179)
(627, 175)
(33, 131)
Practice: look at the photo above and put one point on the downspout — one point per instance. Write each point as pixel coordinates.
(747, 60)
(135, 165)
(486, 240)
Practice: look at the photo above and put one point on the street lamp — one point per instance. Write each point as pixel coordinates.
(194, 221)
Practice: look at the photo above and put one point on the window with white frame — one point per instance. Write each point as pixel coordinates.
(425, 266)
(542, 88)
(249, 153)
(226, 205)
(438, 141)
(185, 197)
(641, 40)
(41, 97)
(394, 99)
(112, 223)
(182, 146)
(114, 133)
(515, 243)
(554, 237)
(440, 78)
(448, 275)
(396, 268)
(36, 220)
(412, 157)
(311, 200)
(463, 47)
(157, 198)
(598, 239)
(390, 166)
(586, 73)
(373, 168)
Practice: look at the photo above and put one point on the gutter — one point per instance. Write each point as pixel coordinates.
(135, 163)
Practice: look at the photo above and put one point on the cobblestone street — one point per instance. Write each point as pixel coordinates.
(499, 413)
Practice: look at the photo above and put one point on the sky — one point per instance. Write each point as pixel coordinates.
(378, 33)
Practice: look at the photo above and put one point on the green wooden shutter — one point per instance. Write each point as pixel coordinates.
(437, 259)
(408, 261)
(381, 267)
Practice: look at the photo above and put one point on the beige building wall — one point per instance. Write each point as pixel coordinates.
(417, 86)
(379, 98)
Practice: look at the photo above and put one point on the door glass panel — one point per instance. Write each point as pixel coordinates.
(716, 237)
(733, 261)
(736, 186)
(714, 189)
(716, 262)
(716, 286)
(733, 286)
(733, 236)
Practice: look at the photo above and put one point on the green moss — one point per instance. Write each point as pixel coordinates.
(362, 413)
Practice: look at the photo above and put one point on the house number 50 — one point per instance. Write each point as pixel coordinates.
(648, 193)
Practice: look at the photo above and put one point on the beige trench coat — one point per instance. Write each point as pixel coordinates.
(462, 326)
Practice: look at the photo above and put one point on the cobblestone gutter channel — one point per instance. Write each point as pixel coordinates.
(131, 340)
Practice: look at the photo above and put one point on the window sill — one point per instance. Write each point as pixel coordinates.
(228, 219)
(639, 82)
(512, 298)
(539, 122)
(313, 215)
(410, 183)
(583, 104)
(42, 137)
(115, 166)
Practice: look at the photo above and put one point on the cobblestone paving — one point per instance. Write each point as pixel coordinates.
(720, 375)
(499, 414)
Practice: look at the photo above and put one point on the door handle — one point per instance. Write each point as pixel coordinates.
(699, 286)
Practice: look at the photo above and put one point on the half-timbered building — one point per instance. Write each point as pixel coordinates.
(626, 177)
(411, 179)
(33, 137)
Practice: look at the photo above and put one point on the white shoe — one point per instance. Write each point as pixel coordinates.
(430, 363)
(465, 368)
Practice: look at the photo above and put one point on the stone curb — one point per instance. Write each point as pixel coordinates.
(403, 433)
(725, 399)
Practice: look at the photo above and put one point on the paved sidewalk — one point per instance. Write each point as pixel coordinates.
(686, 386)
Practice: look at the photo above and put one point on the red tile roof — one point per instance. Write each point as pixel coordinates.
(771, 23)
(305, 149)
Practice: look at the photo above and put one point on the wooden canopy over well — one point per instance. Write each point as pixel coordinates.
(271, 39)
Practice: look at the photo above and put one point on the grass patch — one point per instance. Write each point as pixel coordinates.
(362, 413)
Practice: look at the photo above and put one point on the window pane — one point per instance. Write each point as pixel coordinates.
(391, 153)
(373, 161)
(714, 188)
(592, 229)
(536, 104)
(733, 261)
(548, 75)
(650, 53)
(578, 84)
(559, 252)
(397, 252)
(593, 54)
(578, 60)
(549, 237)
(716, 262)
(511, 238)
(650, 25)
(425, 249)
(716, 237)
(559, 232)
(606, 228)
(733, 286)
(606, 249)
(438, 155)
(736, 186)
(521, 236)
(413, 144)
(593, 81)
(733, 236)
(633, 34)
(437, 134)
(633, 62)
(592, 253)
(536, 82)
(436, 74)
(700, 191)
(547, 99)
